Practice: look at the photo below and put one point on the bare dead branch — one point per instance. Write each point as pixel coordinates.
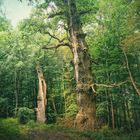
(56, 38)
(52, 36)
(111, 85)
(56, 14)
(90, 11)
(57, 46)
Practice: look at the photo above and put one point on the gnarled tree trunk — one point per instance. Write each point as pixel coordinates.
(86, 98)
(41, 98)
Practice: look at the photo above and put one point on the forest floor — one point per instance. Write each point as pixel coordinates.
(10, 129)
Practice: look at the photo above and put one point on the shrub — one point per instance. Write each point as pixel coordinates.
(25, 115)
(35, 125)
(106, 131)
(9, 129)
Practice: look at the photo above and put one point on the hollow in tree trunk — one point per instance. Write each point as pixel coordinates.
(41, 98)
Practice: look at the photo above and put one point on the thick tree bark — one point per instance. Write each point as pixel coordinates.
(86, 116)
(41, 98)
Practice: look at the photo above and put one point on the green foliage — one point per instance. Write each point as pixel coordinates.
(110, 31)
(4, 24)
(109, 26)
(107, 134)
(9, 129)
(25, 115)
(3, 106)
(92, 135)
(34, 125)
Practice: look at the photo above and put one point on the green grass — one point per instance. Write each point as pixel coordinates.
(10, 129)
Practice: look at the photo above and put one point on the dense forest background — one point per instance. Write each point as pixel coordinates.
(112, 30)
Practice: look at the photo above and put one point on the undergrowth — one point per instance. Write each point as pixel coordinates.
(10, 129)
